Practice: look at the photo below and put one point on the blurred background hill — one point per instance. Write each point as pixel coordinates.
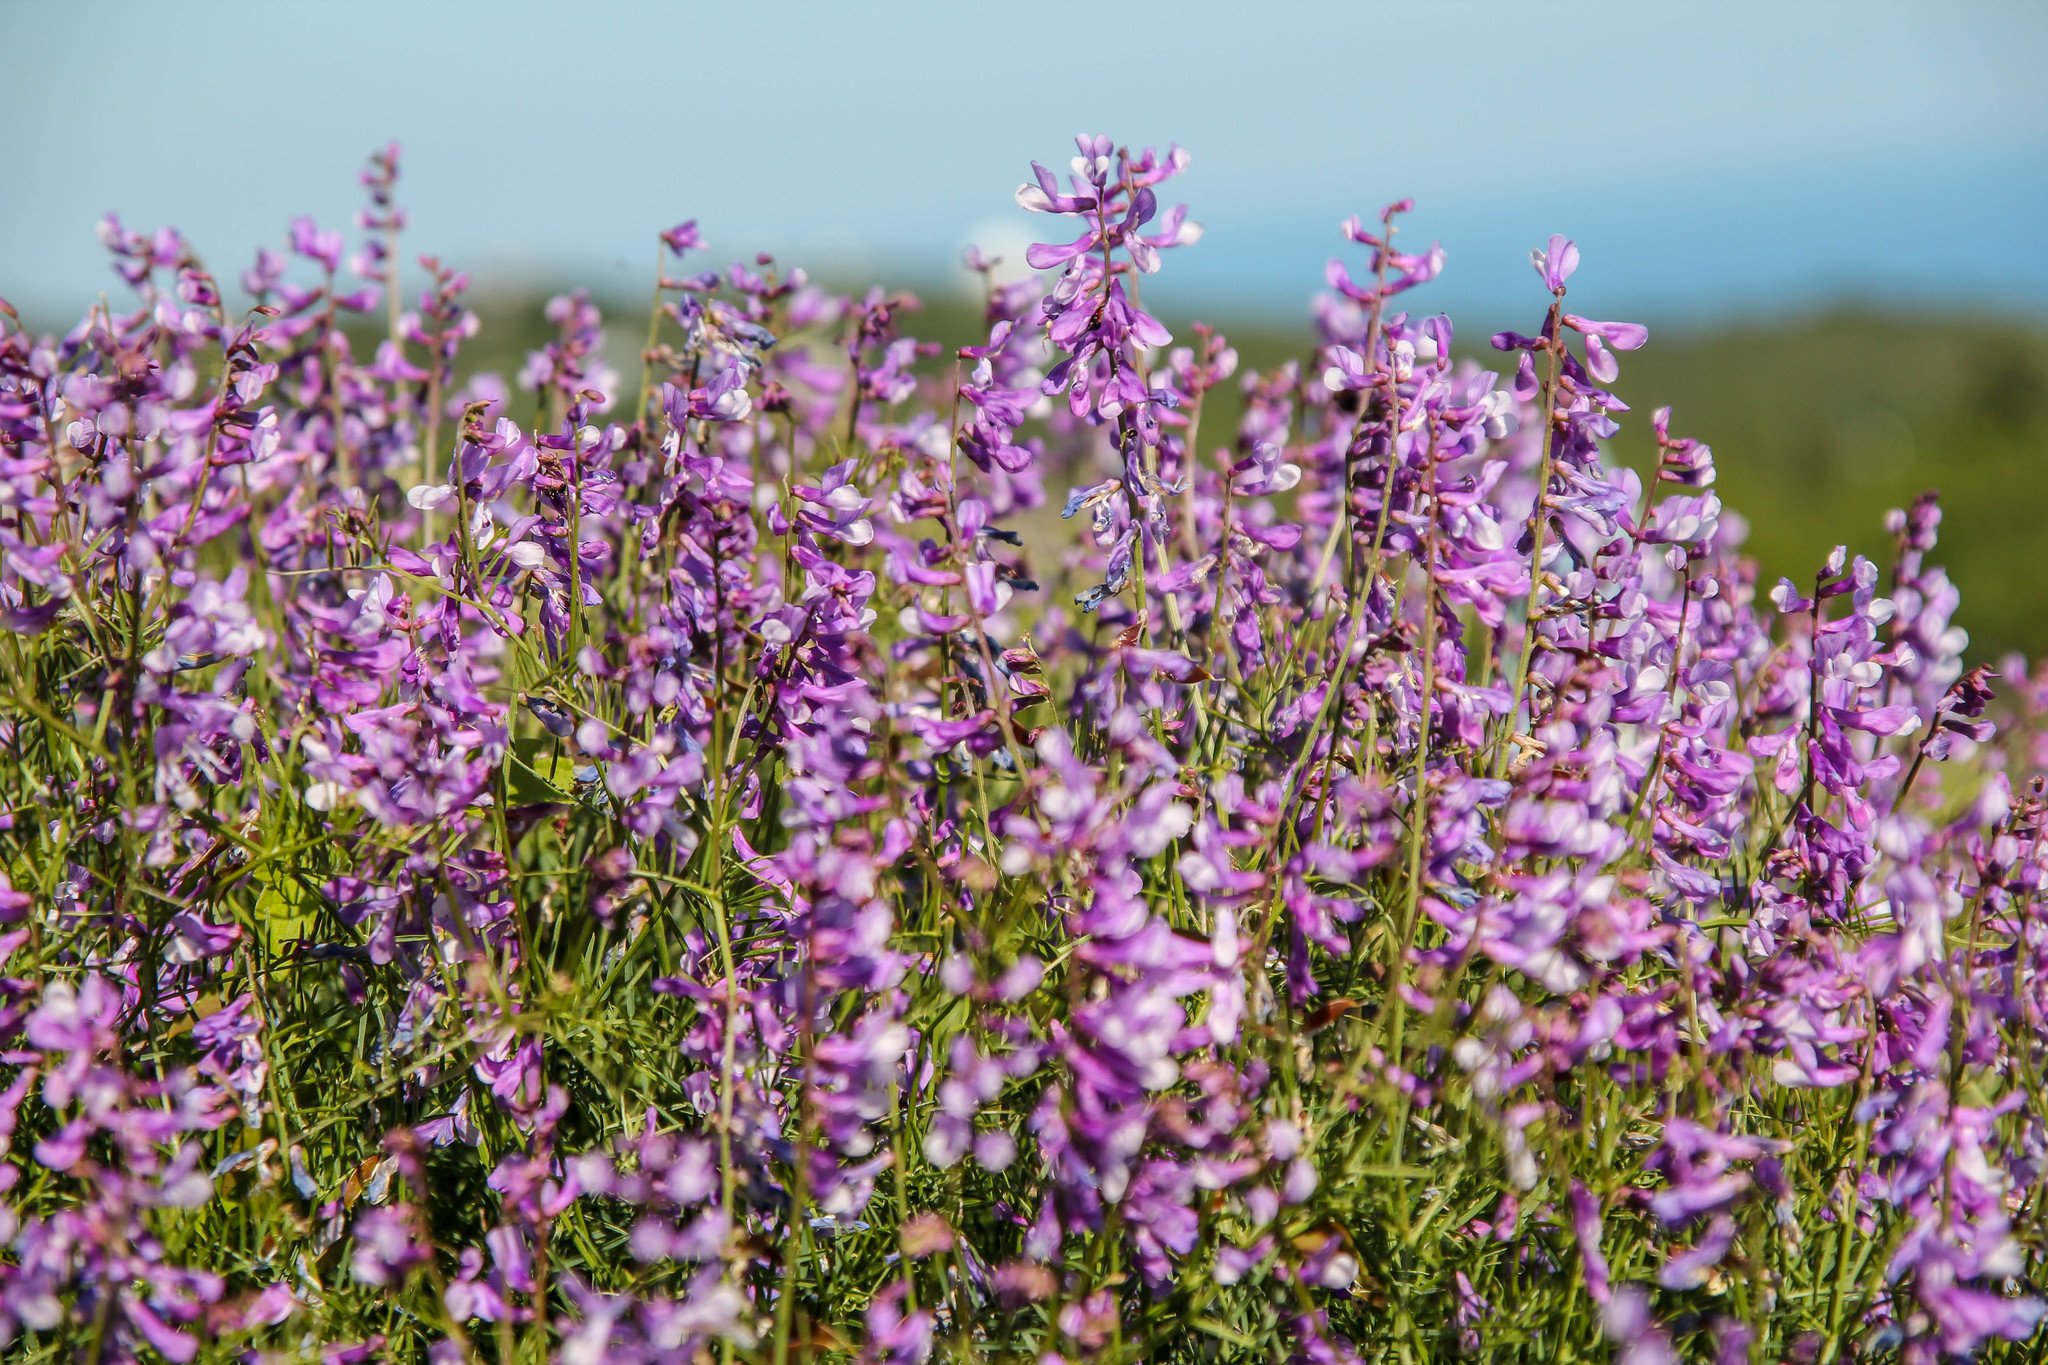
(1829, 213)
(1820, 424)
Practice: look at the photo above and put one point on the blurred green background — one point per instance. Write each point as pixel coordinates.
(1819, 425)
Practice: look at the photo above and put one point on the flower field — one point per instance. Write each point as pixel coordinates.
(681, 865)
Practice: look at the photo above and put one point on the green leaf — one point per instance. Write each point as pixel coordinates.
(539, 772)
(286, 911)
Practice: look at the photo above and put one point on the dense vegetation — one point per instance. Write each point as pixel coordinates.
(682, 862)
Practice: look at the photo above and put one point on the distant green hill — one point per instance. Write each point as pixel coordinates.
(1818, 426)
(1821, 425)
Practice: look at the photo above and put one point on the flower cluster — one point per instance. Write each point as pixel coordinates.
(696, 865)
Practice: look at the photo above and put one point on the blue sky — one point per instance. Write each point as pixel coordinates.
(1714, 160)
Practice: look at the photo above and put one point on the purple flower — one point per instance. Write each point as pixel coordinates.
(1555, 263)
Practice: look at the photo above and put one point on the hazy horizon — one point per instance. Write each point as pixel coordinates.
(547, 147)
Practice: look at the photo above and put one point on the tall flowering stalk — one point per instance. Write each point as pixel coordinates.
(488, 873)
